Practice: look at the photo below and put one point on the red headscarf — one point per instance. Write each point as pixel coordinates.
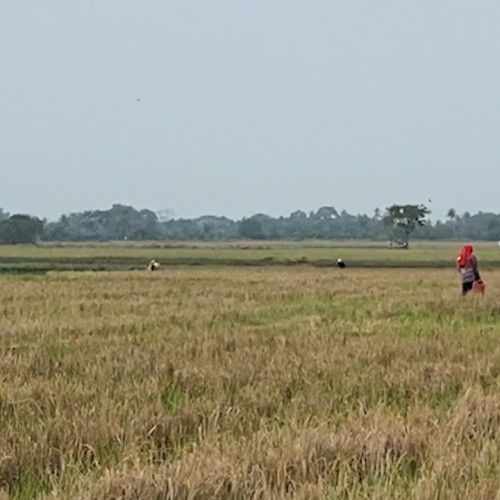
(466, 252)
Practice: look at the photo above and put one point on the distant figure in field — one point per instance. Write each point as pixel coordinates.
(340, 263)
(153, 265)
(469, 271)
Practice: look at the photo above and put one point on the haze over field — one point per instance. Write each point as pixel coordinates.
(232, 108)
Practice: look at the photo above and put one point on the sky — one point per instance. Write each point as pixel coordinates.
(233, 108)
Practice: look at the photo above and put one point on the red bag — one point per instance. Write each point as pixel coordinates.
(479, 287)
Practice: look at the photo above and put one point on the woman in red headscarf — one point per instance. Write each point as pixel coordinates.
(468, 269)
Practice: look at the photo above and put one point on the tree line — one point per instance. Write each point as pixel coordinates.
(396, 223)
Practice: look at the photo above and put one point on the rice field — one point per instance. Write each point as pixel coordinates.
(249, 383)
(135, 255)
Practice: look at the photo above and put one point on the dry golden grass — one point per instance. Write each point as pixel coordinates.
(261, 383)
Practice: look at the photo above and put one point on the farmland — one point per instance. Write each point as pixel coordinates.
(248, 382)
(134, 256)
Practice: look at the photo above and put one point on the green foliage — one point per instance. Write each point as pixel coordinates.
(251, 229)
(20, 229)
(3, 214)
(125, 223)
(402, 220)
(172, 396)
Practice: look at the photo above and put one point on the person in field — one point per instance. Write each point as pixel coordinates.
(153, 265)
(468, 268)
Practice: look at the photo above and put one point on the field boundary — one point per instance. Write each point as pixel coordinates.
(30, 265)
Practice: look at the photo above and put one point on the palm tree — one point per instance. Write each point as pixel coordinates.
(453, 216)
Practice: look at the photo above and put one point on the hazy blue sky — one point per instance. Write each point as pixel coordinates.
(245, 107)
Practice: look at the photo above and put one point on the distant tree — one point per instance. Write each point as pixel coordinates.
(298, 215)
(270, 227)
(326, 213)
(493, 229)
(20, 228)
(3, 214)
(251, 229)
(295, 226)
(165, 214)
(118, 223)
(453, 218)
(402, 220)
